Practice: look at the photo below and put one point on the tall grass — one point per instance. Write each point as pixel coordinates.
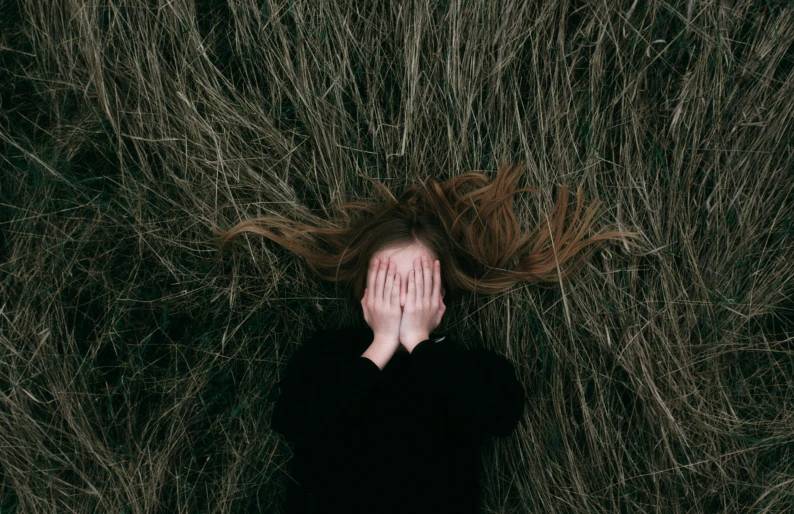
(137, 372)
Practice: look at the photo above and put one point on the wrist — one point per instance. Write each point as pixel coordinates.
(411, 341)
(380, 351)
(380, 340)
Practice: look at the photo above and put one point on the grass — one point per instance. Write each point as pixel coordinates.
(137, 372)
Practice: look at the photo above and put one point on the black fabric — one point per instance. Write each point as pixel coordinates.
(403, 440)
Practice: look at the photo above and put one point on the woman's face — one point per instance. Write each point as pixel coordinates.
(403, 257)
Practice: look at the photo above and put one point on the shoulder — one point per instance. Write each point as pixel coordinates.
(489, 359)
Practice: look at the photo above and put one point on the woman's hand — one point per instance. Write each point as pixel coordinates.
(424, 305)
(381, 302)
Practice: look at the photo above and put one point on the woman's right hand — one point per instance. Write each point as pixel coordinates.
(381, 302)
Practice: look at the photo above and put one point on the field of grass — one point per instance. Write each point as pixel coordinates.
(137, 371)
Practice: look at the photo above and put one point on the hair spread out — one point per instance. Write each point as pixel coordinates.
(475, 235)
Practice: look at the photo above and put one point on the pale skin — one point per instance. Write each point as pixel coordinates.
(389, 276)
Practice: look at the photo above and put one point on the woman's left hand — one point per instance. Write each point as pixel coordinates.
(424, 304)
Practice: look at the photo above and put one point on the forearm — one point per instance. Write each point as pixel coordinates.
(324, 391)
(479, 388)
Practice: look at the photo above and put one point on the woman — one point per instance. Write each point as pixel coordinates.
(390, 417)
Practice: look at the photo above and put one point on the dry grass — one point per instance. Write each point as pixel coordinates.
(136, 373)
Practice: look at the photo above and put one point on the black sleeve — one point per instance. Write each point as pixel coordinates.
(478, 387)
(325, 389)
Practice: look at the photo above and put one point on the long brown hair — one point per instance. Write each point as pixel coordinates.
(475, 235)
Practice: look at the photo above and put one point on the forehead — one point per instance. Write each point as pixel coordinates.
(404, 253)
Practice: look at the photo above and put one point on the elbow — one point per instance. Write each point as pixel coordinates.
(280, 422)
(511, 411)
(284, 418)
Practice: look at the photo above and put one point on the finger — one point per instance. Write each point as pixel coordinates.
(403, 289)
(395, 291)
(437, 279)
(389, 283)
(381, 279)
(372, 273)
(427, 271)
(419, 280)
(372, 278)
(409, 298)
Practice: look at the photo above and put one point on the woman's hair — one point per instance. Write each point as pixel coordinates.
(475, 235)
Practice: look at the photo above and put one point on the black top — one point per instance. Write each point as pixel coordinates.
(402, 440)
